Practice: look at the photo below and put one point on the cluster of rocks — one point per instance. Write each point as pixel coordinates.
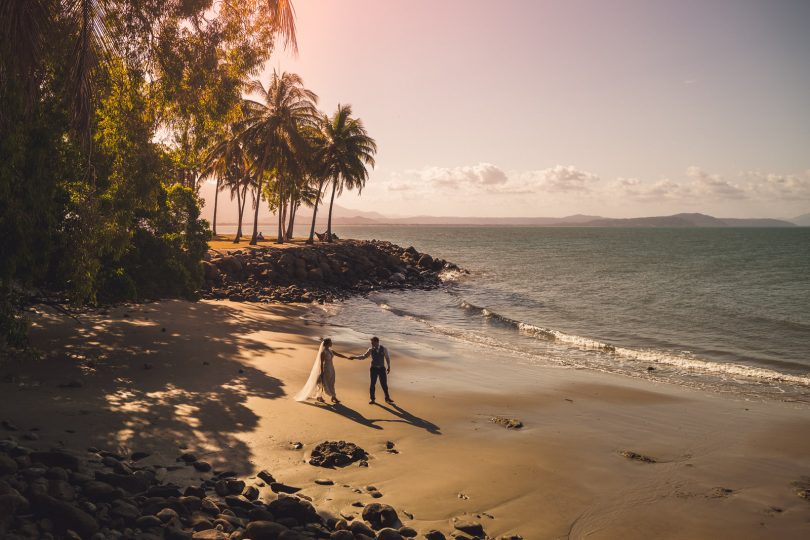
(323, 272)
(98, 495)
(337, 454)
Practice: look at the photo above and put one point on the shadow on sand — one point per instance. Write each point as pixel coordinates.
(399, 415)
(146, 380)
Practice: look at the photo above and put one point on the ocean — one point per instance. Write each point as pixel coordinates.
(722, 309)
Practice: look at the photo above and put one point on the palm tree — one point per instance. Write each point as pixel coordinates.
(344, 151)
(274, 131)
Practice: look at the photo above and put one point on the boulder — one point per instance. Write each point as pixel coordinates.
(336, 454)
(264, 530)
(65, 516)
(293, 507)
(389, 534)
(472, 528)
(381, 516)
(433, 534)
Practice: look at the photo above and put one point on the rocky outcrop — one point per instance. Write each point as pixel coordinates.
(319, 272)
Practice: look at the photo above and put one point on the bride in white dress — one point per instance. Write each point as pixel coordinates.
(321, 382)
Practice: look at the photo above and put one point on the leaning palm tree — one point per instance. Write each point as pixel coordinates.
(273, 129)
(344, 151)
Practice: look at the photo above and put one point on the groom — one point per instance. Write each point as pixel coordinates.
(379, 361)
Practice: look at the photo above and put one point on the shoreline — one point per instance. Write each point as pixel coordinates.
(561, 475)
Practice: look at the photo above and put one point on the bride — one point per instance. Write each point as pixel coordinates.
(321, 382)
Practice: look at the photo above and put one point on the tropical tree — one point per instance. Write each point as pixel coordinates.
(343, 153)
(274, 131)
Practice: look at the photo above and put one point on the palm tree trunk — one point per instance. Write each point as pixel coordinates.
(283, 230)
(216, 200)
(311, 239)
(331, 203)
(293, 209)
(240, 210)
(255, 238)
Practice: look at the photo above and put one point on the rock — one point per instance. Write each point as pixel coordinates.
(56, 458)
(251, 493)
(359, 528)
(194, 491)
(65, 516)
(389, 534)
(336, 454)
(128, 512)
(470, 527)
(266, 476)
(637, 457)
(202, 466)
(294, 508)
(167, 514)
(210, 534)
(425, 261)
(131, 484)
(7, 465)
(9, 425)
(381, 516)
(278, 487)
(408, 532)
(324, 482)
(187, 457)
(264, 530)
(433, 534)
(509, 423)
(238, 501)
(148, 522)
(389, 445)
(341, 535)
(61, 489)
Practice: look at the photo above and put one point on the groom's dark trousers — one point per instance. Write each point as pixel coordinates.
(378, 372)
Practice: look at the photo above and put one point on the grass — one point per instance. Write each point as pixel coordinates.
(224, 242)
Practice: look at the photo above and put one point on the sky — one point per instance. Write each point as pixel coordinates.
(550, 108)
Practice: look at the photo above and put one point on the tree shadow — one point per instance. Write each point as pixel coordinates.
(411, 419)
(147, 383)
(346, 412)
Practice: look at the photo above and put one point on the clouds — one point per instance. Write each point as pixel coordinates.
(560, 179)
(488, 178)
(696, 187)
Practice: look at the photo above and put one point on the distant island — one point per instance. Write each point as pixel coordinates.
(346, 216)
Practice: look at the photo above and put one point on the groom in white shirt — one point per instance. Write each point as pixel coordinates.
(380, 368)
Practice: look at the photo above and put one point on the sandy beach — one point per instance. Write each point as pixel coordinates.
(216, 378)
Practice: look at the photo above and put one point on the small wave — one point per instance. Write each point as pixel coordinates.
(682, 362)
(452, 276)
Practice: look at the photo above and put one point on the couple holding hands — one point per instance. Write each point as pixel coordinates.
(321, 382)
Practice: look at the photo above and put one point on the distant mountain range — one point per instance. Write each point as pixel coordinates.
(802, 220)
(579, 220)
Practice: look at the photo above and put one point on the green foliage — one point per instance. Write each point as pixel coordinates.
(104, 107)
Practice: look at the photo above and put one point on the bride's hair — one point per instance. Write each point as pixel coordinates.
(326, 341)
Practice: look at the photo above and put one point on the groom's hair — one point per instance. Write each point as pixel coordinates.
(375, 338)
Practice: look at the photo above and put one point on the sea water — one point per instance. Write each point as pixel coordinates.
(724, 309)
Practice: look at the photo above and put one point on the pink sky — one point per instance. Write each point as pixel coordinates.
(537, 108)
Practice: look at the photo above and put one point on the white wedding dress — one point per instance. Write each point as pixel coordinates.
(321, 384)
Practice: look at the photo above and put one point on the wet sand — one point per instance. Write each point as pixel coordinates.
(218, 382)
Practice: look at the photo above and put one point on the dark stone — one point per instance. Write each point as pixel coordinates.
(238, 501)
(56, 458)
(408, 532)
(202, 466)
(341, 535)
(194, 491)
(258, 513)
(187, 458)
(358, 528)
(638, 457)
(336, 454)
(278, 487)
(434, 535)
(389, 534)
(264, 530)
(167, 490)
(148, 522)
(470, 527)
(131, 484)
(137, 456)
(65, 516)
(251, 493)
(293, 507)
(7, 465)
(509, 423)
(126, 511)
(381, 516)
